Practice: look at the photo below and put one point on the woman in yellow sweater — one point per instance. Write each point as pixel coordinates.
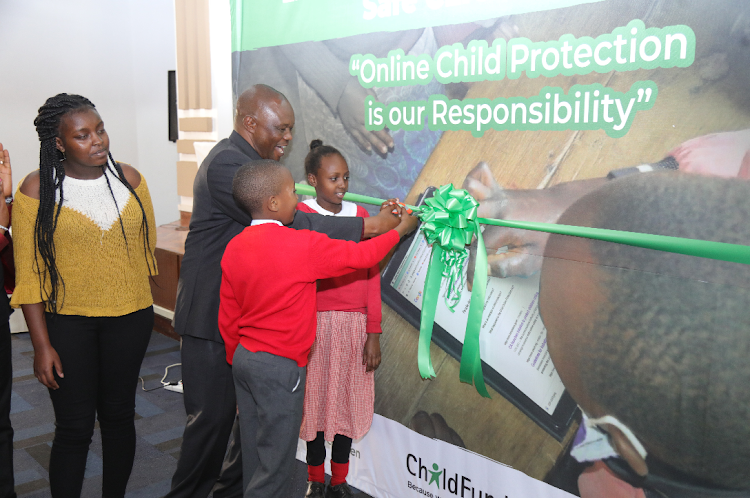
(84, 242)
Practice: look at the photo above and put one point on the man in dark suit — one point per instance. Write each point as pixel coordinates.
(262, 130)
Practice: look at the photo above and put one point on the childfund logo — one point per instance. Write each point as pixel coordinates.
(437, 482)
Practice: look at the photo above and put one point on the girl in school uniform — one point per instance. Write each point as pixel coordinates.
(340, 390)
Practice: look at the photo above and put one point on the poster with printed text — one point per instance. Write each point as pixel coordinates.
(629, 115)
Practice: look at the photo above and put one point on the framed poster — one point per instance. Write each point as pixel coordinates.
(513, 343)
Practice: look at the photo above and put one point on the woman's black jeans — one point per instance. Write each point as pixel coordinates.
(101, 358)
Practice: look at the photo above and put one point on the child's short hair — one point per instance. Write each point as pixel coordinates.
(255, 182)
(667, 353)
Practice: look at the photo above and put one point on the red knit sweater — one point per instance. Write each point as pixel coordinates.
(268, 285)
(357, 291)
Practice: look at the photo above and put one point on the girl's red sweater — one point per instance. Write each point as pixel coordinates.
(357, 291)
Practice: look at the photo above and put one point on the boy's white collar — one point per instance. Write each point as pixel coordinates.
(261, 222)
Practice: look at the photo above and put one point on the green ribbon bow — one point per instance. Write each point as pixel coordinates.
(449, 222)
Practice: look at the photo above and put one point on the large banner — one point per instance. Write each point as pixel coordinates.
(531, 106)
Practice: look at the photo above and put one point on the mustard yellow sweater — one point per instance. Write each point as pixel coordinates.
(102, 276)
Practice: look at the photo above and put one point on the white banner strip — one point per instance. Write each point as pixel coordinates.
(392, 461)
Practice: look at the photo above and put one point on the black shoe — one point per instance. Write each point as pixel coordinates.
(341, 491)
(315, 489)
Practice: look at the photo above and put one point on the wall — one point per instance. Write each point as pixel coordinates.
(117, 54)
(205, 105)
(221, 66)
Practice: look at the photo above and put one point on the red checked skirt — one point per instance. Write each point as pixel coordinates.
(339, 395)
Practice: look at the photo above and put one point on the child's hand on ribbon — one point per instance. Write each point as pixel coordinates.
(408, 221)
(382, 222)
(393, 204)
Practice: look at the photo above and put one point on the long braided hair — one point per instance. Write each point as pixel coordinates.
(51, 176)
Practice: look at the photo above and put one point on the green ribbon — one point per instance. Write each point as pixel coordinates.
(303, 189)
(449, 222)
(723, 251)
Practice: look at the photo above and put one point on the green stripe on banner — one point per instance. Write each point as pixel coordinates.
(268, 23)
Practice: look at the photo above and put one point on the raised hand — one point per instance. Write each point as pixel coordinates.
(5, 172)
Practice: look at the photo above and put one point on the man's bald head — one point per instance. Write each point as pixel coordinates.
(657, 339)
(265, 118)
(254, 98)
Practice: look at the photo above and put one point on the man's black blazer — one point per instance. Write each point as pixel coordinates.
(216, 219)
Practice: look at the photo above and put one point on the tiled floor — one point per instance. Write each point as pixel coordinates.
(160, 419)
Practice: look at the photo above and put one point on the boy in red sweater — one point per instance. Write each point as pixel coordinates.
(267, 316)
